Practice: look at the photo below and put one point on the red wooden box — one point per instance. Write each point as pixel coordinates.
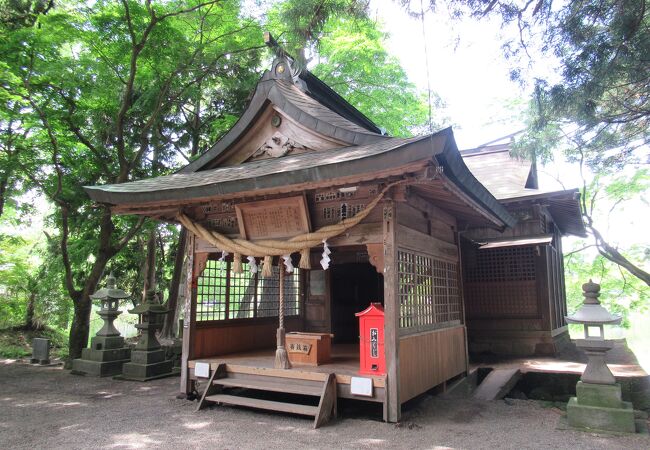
(371, 340)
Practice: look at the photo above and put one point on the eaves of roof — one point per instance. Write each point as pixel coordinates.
(455, 169)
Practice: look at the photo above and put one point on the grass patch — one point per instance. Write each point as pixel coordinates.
(16, 342)
(13, 352)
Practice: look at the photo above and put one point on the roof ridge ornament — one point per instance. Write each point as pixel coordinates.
(285, 66)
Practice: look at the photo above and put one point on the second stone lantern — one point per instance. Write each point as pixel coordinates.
(107, 352)
(148, 357)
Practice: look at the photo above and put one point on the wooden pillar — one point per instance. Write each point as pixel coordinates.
(543, 286)
(461, 296)
(393, 409)
(189, 315)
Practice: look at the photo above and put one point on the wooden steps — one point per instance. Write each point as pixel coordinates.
(237, 385)
(293, 408)
(271, 386)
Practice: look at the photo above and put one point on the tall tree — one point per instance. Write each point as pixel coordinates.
(102, 87)
(594, 107)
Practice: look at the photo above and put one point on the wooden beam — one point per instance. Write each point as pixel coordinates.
(364, 233)
(461, 296)
(145, 208)
(433, 211)
(420, 242)
(393, 409)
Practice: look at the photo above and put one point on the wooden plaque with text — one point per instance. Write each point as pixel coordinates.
(273, 219)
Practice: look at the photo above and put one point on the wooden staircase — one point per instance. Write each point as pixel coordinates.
(229, 385)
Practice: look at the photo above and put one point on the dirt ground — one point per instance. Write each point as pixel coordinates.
(46, 407)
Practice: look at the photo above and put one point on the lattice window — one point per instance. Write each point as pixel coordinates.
(223, 294)
(268, 295)
(501, 282)
(221, 222)
(211, 293)
(428, 292)
(344, 210)
(503, 264)
(241, 294)
(332, 195)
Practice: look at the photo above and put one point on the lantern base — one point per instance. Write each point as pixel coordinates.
(104, 358)
(97, 368)
(599, 418)
(599, 407)
(147, 365)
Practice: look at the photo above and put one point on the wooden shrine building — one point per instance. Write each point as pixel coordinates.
(515, 299)
(303, 179)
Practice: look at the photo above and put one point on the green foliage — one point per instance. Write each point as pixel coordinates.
(353, 60)
(620, 292)
(13, 352)
(346, 49)
(598, 91)
(301, 23)
(609, 198)
(16, 342)
(29, 271)
(108, 93)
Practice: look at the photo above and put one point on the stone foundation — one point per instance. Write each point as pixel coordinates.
(599, 407)
(517, 343)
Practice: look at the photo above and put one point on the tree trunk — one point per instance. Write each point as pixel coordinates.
(30, 322)
(168, 330)
(80, 328)
(82, 304)
(150, 268)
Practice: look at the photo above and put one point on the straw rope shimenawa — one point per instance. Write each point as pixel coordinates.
(268, 248)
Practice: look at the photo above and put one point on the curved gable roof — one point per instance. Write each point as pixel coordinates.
(305, 99)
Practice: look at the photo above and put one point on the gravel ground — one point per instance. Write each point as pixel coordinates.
(46, 407)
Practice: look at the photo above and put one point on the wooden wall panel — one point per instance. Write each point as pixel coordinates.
(423, 243)
(428, 359)
(414, 218)
(223, 339)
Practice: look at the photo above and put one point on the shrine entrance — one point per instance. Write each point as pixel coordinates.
(354, 287)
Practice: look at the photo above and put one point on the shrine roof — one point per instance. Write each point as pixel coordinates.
(503, 175)
(511, 179)
(260, 174)
(307, 101)
(386, 157)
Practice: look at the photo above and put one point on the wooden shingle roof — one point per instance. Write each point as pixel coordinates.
(292, 95)
(508, 178)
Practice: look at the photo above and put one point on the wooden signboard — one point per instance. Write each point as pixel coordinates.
(273, 219)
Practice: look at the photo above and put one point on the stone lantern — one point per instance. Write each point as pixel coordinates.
(148, 357)
(597, 404)
(107, 352)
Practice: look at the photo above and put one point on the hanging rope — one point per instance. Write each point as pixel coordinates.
(269, 248)
(281, 355)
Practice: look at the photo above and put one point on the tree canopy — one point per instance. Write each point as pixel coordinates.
(115, 91)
